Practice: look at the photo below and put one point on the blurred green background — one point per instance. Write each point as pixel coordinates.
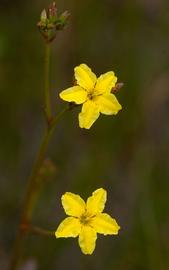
(128, 154)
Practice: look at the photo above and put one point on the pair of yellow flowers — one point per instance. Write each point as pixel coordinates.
(86, 220)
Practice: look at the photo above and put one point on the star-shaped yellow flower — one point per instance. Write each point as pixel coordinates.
(86, 219)
(94, 94)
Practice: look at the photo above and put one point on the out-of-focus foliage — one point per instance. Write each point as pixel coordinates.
(127, 154)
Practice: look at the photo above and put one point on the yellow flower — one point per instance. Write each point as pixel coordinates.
(86, 219)
(94, 94)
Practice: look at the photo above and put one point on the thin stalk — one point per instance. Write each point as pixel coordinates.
(32, 192)
(43, 232)
(47, 84)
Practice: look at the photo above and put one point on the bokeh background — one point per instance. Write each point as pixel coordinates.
(128, 154)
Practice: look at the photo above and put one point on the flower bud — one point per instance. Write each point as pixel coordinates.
(117, 87)
(50, 22)
(63, 19)
(52, 11)
(43, 16)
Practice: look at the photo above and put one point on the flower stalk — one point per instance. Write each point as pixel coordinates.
(48, 110)
(37, 230)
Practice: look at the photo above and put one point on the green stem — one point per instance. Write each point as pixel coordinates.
(32, 192)
(40, 231)
(47, 86)
(37, 230)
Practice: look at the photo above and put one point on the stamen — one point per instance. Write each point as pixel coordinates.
(85, 219)
(90, 96)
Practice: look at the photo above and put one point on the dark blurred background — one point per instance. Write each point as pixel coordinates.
(127, 154)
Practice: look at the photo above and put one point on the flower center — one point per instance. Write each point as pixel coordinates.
(90, 95)
(85, 219)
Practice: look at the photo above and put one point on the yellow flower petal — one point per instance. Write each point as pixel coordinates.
(87, 239)
(69, 227)
(108, 104)
(104, 224)
(73, 204)
(74, 94)
(96, 203)
(88, 115)
(85, 77)
(105, 83)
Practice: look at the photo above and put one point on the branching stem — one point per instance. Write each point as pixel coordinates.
(33, 191)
